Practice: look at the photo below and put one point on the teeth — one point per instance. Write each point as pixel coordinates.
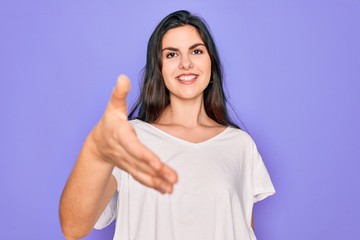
(187, 78)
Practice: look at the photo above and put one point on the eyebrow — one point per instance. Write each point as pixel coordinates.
(176, 49)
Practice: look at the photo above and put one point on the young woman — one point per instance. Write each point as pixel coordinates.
(180, 141)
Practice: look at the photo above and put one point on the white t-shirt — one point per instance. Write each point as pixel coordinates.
(219, 181)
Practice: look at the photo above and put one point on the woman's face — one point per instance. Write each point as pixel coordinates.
(186, 64)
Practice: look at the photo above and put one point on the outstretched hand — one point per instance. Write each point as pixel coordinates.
(114, 141)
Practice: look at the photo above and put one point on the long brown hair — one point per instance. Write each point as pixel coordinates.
(154, 96)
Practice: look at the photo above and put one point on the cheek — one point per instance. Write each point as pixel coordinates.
(204, 64)
(166, 74)
(207, 67)
(168, 68)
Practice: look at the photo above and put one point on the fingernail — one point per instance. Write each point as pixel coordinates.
(169, 177)
(164, 188)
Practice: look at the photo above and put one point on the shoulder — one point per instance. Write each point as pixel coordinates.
(136, 122)
(139, 124)
(240, 135)
(143, 128)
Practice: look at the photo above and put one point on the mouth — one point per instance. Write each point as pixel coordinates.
(187, 77)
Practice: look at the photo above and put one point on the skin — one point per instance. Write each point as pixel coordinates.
(113, 141)
(185, 57)
(184, 53)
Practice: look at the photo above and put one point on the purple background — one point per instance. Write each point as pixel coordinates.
(292, 71)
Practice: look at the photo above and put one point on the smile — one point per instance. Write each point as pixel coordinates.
(187, 77)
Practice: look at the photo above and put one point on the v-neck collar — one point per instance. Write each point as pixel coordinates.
(180, 140)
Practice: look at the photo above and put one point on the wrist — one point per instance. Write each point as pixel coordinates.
(93, 150)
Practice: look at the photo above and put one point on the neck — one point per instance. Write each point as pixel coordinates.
(189, 114)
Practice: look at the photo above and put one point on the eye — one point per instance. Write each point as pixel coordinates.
(198, 51)
(171, 55)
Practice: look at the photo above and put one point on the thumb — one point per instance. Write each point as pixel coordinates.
(119, 94)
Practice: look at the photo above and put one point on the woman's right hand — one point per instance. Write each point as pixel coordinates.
(114, 141)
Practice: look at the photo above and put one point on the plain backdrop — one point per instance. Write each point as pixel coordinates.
(292, 70)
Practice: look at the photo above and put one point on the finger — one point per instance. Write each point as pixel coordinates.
(135, 148)
(138, 151)
(148, 180)
(153, 182)
(138, 165)
(164, 172)
(143, 159)
(119, 94)
(169, 174)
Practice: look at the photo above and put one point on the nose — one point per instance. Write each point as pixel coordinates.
(185, 62)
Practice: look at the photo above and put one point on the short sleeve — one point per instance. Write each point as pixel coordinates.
(110, 212)
(262, 184)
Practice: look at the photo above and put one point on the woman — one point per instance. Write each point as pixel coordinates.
(182, 142)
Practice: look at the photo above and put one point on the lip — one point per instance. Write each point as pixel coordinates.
(187, 77)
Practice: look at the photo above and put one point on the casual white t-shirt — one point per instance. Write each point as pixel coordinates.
(219, 181)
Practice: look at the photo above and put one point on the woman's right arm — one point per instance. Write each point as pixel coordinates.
(113, 142)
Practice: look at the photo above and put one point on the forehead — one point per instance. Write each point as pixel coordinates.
(181, 36)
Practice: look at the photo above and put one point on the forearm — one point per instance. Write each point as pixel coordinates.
(89, 188)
